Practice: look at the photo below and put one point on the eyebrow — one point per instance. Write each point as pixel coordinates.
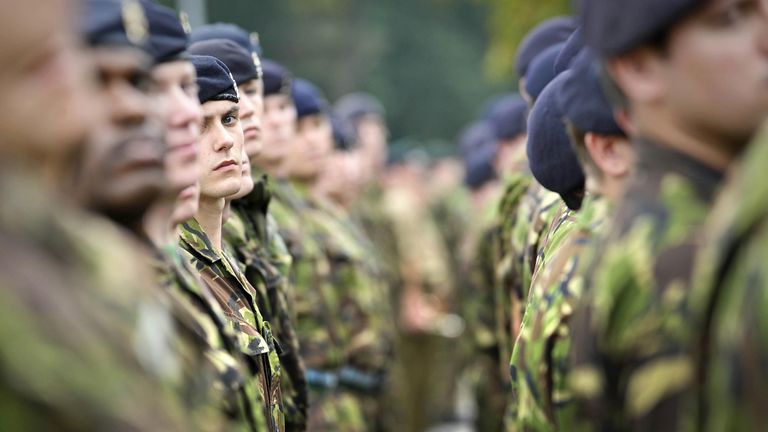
(234, 111)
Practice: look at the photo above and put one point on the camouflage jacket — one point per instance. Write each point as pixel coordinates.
(85, 338)
(631, 337)
(729, 302)
(239, 300)
(246, 235)
(225, 369)
(541, 398)
(322, 338)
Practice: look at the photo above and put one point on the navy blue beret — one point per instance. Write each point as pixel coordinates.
(542, 71)
(477, 136)
(573, 46)
(214, 79)
(479, 169)
(238, 61)
(582, 101)
(352, 106)
(308, 98)
(277, 79)
(343, 137)
(552, 159)
(614, 27)
(167, 38)
(543, 36)
(229, 31)
(103, 23)
(508, 116)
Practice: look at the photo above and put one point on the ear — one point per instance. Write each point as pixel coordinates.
(624, 120)
(639, 74)
(612, 154)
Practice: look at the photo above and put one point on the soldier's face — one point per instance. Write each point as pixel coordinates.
(122, 170)
(253, 91)
(312, 147)
(174, 83)
(279, 128)
(43, 81)
(710, 81)
(717, 70)
(246, 180)
(221, 149)
(372, 137)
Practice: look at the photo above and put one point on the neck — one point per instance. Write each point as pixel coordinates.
(158, 222)
(227, 213)
(611, 188)
(697, 143)
(210, 217)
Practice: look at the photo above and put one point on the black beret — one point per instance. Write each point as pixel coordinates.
(277, 79)
(228, 31)
(103, 22)
(167, 38)
(542, 71)
(353, 106)
(582, 101)
(214, 79)
(307, 98)
(508, 116)
(343, 137)
(479, 169)
(238, 61)
(543, 36)
(573, 46)
(614, 27)
(477, 136)
(552, 159)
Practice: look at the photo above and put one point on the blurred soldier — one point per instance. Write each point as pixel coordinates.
(729, 301)
(480, 146)
(246, 224)
(542, 398)
(354, 268)
(122, 176)
(221, 150)
(82, 346)
(691, 111)
(548, 33)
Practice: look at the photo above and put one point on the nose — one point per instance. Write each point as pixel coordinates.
(130, 106)
(224, 140)
(247, 109)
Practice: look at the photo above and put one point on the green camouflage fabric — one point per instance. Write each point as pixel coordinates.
(507, 264)
(324, 340)
(479, 310)
(239, 300)
(730, 300)
(539, 364)
(224, 372)
(85, 341)
(632, 368)
(248, 236)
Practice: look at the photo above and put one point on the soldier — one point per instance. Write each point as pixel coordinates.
(539, 362)
(221, 149)
(633, 367)
(246, 225)
(66, 312)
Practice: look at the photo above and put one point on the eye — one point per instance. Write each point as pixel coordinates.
(141, 82)
(229, 120)
(734, 13)
(190, 89)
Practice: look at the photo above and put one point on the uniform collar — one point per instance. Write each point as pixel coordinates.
(192, 234)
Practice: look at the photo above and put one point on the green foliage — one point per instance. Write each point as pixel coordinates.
(509, 22)
(429, 61)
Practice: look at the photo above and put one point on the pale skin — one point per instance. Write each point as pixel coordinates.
(175, 85)
(221, 149)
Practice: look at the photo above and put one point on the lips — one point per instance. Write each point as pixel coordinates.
(227, 164)
(251, 132)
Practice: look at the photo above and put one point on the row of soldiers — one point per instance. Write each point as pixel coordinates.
(619, 279)
(193, 239)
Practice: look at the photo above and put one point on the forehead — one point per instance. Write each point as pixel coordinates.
(218, 108)
(174, 71)
(120, 59)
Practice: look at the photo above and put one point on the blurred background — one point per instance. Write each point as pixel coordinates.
(433, 63)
